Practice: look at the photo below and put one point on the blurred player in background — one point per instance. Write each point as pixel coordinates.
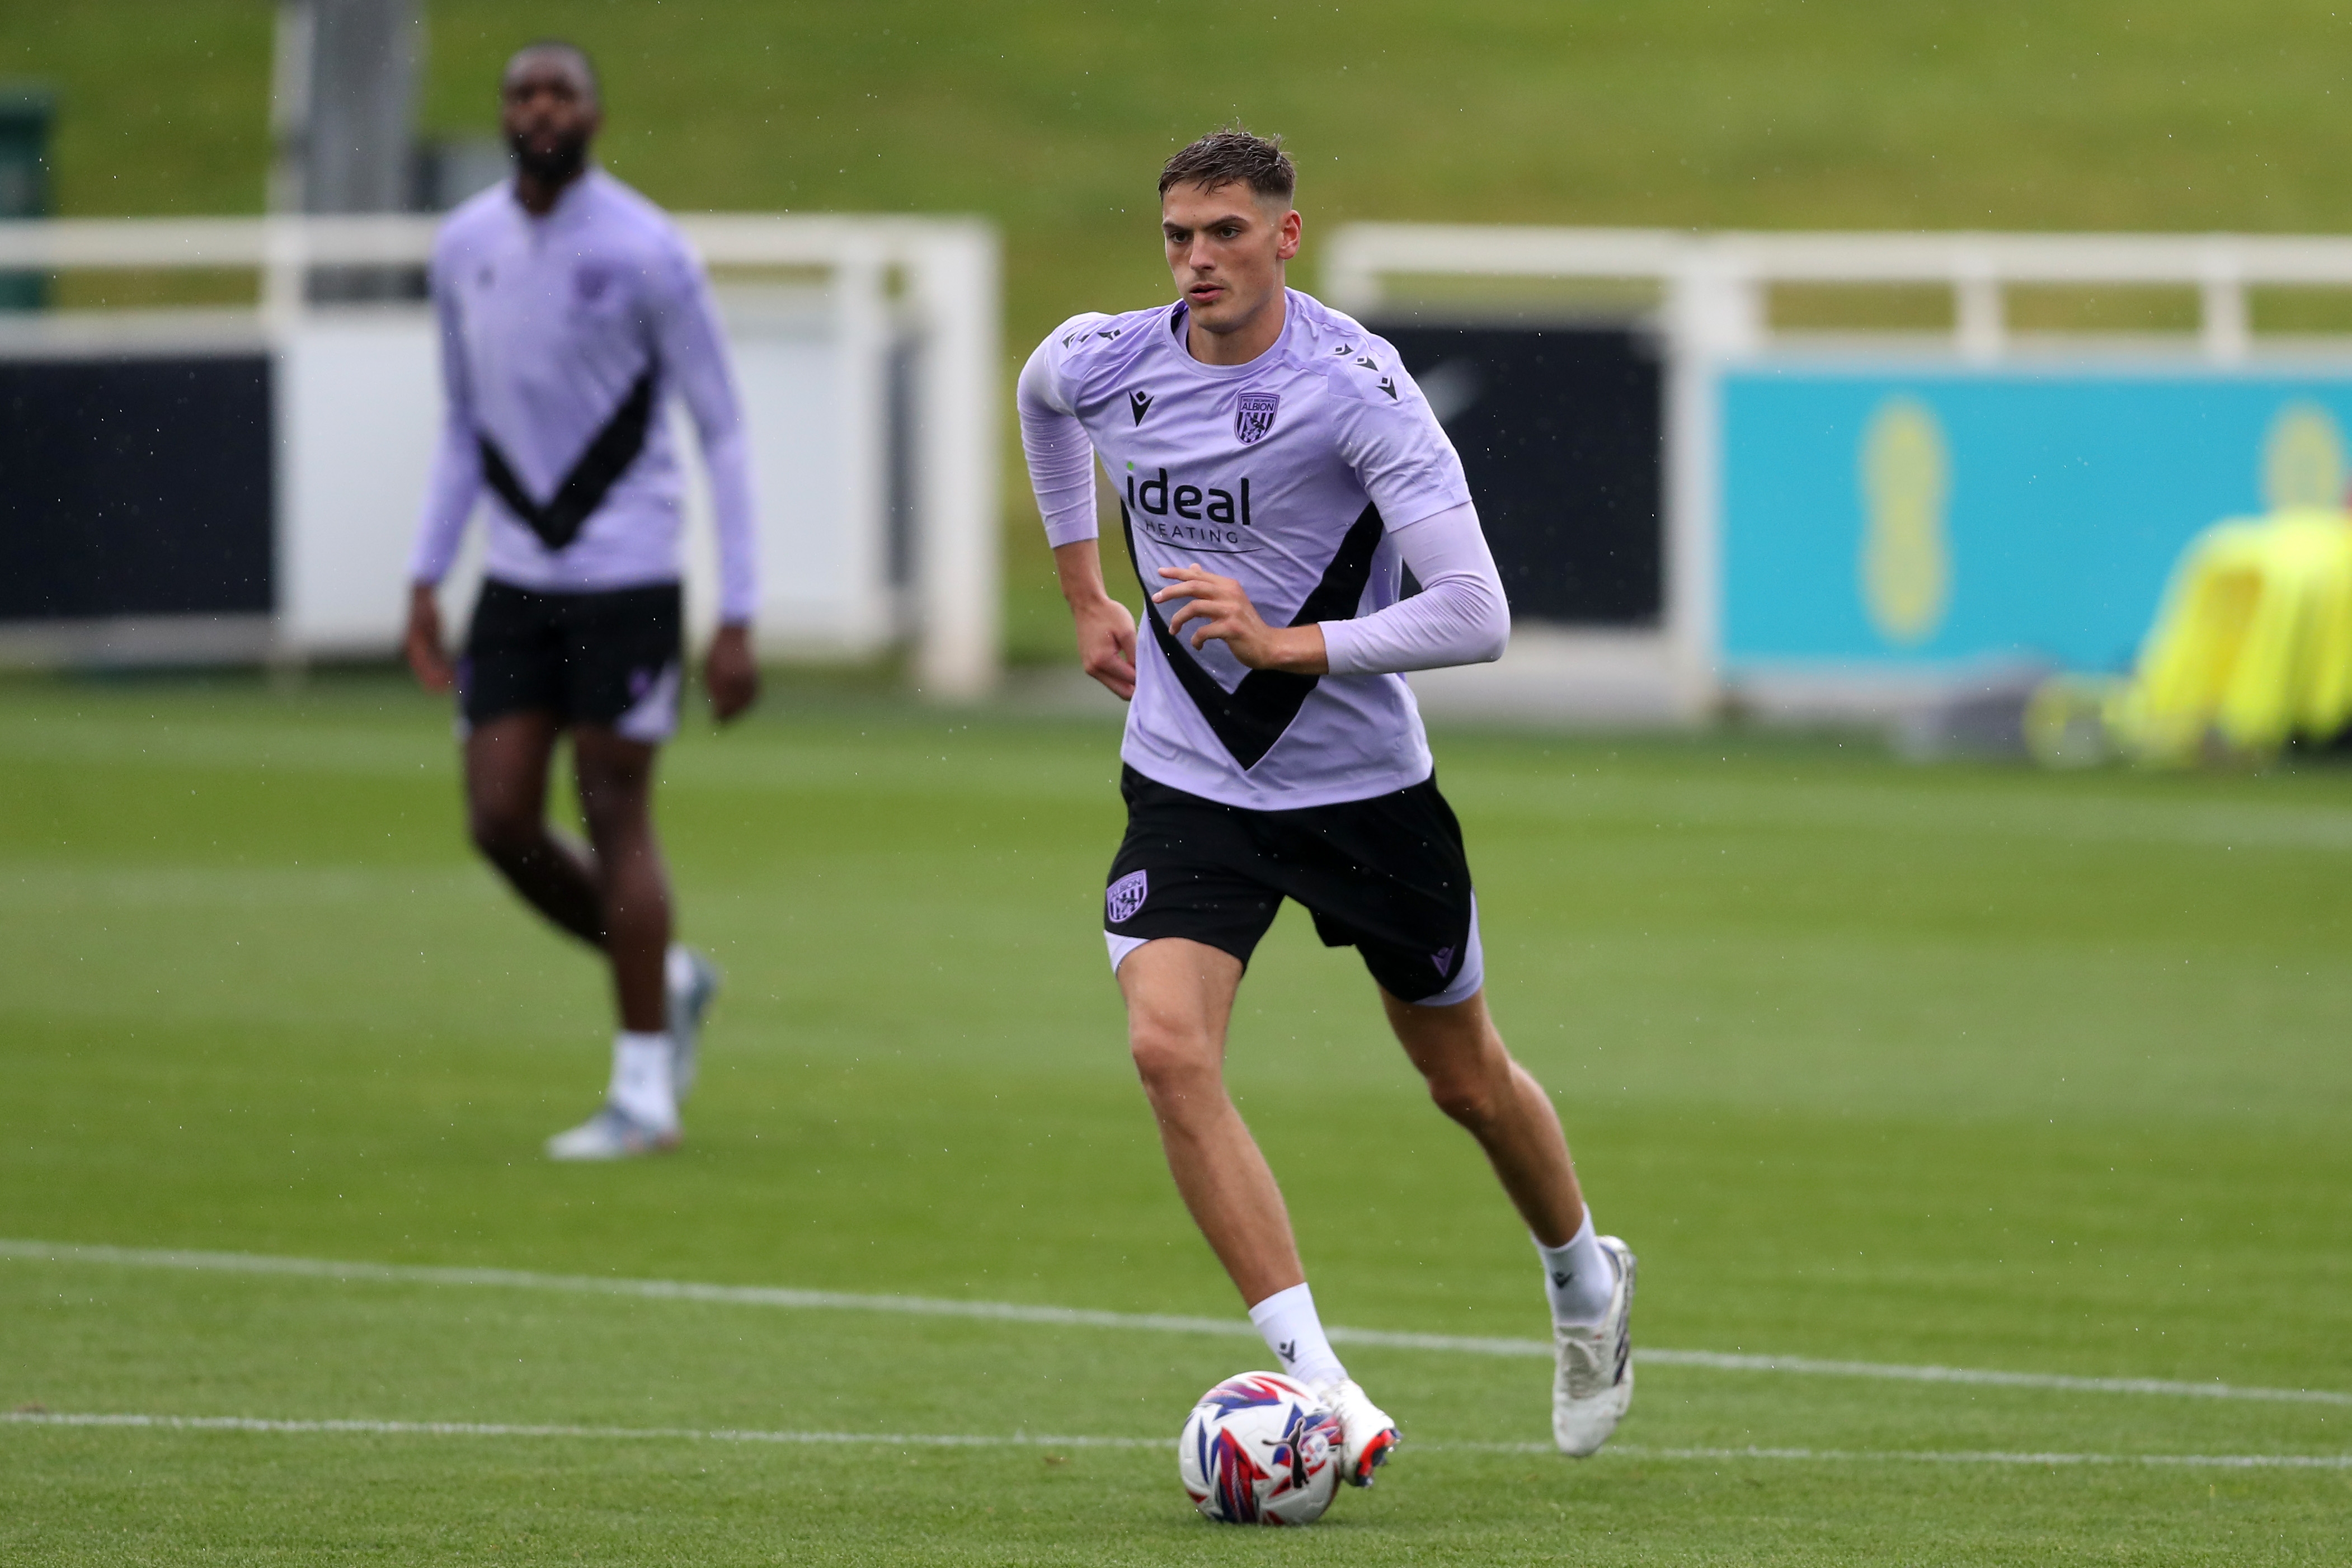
(571, 310)
(1274, 751)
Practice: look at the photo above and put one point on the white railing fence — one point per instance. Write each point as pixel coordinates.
(1712, 296)
(1715, 286)
(944, 308)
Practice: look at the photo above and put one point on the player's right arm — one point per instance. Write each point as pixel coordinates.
(450, 498)
(1061, 473)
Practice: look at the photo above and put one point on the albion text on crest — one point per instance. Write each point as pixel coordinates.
(1253, 416)
(1126, 896)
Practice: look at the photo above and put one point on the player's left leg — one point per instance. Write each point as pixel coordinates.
(1588, 1278)
(1473, 1079)
(621, 670)
(615, 775)
(1389, 877)
(616, 779)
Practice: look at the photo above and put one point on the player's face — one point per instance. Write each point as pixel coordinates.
(1226, 247)
(549, 112)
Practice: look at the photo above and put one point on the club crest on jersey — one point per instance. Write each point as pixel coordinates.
(1125, 896)
(1253, 417)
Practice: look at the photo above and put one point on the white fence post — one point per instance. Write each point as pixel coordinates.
(1979, 323)
(2225, 324)
(958, 569)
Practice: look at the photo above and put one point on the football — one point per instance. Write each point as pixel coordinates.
(1259, 1448)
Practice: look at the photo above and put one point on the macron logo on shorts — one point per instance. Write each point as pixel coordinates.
(1444, 959)
(1126, 896)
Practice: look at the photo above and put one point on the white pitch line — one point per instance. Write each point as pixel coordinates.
(1938, 1456)
(1083, 1317)
(1023, 1440)
(516, 1429)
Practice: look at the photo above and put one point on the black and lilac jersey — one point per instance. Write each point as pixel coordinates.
(1287, 474)
(562, 337)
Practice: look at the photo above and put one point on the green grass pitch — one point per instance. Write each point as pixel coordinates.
(1958, 1067)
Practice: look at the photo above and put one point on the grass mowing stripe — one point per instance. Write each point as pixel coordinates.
(1082, 1317)
(1024, 1440)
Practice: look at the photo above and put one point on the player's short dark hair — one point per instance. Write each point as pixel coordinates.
(1233, 157)
(565, 46)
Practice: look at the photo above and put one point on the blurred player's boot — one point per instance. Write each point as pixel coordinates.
(1367, 1436)
(1594, 1383)
(640, 1113)
(612, 1134)
(692, 981)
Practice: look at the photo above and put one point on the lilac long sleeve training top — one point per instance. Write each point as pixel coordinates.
(561, 339)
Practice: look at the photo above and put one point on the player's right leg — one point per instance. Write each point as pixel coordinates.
(1179, 998)
(512, 708)
(506, 763)
(1187, 903)
(535, 666)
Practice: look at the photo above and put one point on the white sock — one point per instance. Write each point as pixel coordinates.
(641, 1085)
(1294, 1334)
(1578, 1277)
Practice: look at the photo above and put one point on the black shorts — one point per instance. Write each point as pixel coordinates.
(1386, 876)
(615, 660)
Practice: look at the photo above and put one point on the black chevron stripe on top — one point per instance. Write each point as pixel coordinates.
(1252, 717)
(608, 456)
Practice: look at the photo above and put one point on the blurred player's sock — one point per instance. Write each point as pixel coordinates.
(691, 981)
(1578, 1277)
(641, 1080)
(1294, 1333)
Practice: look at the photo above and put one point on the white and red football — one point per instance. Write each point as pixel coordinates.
(1260, 1448)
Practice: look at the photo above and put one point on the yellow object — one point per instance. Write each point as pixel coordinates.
(2253, 643)
(1907, 557)
(2302, 459)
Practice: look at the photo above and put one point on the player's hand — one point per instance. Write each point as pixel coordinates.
(1106, 643)
(731, 672)
(1220, 607)
(422, 640)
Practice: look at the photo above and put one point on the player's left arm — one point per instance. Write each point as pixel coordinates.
(1220, 607)
(1391, 439)
(1459, 617)
(693, 350)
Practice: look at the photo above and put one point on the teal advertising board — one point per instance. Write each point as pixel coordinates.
(1947, 518)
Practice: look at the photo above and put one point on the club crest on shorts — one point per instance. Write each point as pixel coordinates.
(1125, 896)
(1253, 417)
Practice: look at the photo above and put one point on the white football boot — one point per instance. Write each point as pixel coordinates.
(691, 981)
(1594, 1382)
(1367, 1436)
(612, 1134)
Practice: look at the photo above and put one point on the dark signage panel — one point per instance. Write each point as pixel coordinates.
(1562, 431)
(134, 487)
